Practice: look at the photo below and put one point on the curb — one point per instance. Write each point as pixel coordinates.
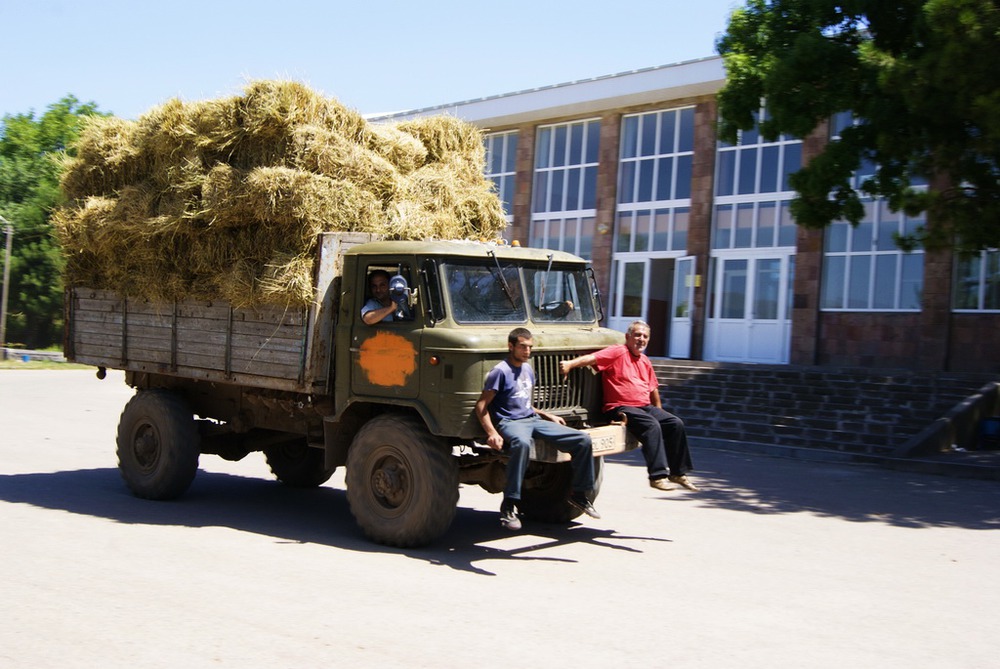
(28, 354)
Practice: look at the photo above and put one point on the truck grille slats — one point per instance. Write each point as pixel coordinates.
(556, 393)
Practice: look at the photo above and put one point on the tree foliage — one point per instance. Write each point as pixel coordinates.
(30, 165)
(919, 76)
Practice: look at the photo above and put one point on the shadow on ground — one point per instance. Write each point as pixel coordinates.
(745, 483)
(317, 516)
(763, 484)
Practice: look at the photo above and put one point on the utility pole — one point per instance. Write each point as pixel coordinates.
(9, 231)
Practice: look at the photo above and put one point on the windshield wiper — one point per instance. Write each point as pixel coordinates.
(503, 280)
(545, 278)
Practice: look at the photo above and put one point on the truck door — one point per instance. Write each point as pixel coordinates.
(384, 356)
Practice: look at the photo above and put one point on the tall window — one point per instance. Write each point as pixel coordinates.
(752, 192)
(501, 166)
(654, 181)
(564, 202)
(977, 282)
(863, 267)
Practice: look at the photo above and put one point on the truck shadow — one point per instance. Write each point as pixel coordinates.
(318, 516)
(754, 484)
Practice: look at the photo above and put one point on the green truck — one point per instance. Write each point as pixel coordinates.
(314, 388)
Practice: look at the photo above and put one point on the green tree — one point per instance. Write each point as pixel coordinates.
(30, 149)
(921, 80)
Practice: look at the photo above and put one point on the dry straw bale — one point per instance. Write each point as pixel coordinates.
(317, 149)
(443, 136)
(225, 198)
(109, 155)
(265, 119)
(401, 149)
(289, 198)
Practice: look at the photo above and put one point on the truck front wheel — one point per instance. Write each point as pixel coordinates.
(157, 444)
(402, 483)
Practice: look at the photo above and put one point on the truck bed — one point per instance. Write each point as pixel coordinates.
(275, 347)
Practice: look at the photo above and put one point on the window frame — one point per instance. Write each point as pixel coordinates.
(986, 261)
(748, 204)
(504, 179)
(862, 252)
(660, 221)
(566, 160)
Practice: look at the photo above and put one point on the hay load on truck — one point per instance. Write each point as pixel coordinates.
(219, 253)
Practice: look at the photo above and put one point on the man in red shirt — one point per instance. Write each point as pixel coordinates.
(631, 389)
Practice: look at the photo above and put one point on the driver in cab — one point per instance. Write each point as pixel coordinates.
(381, 308)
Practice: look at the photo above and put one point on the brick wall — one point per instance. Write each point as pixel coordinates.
(974, 344)
(864, 339)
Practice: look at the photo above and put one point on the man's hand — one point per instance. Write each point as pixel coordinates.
(551, 416)
(580, 361)
(493, 438)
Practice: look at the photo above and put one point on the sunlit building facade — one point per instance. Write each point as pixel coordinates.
(695, 235)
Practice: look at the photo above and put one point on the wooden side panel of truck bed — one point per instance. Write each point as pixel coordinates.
(264, 347)
(193, 339)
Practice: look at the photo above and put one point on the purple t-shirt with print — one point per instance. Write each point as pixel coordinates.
(513, 387)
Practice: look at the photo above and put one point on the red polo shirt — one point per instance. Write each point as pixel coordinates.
(627, 380)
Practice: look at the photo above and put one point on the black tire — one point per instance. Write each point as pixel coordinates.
(298, 465)
(544, 494)
(402, 482)
(158, 445)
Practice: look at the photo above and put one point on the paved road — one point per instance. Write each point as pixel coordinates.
(778, 563)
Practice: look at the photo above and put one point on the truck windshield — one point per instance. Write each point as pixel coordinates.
(510, 293)
(485, 294)
(560, 295)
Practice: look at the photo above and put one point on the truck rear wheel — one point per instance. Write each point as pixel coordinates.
(157, 444)
(402, 483)
(543, 497)
(296, 464)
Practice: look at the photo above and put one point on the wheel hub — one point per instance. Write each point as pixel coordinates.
(389, 482)
(146, 447)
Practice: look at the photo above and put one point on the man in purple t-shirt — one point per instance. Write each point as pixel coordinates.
(632, 390)
(505, 411)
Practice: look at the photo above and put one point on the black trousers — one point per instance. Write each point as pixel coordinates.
(664, 441)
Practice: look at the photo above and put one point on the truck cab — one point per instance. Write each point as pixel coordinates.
(428, 368)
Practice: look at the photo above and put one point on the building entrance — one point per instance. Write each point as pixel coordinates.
(748, 319)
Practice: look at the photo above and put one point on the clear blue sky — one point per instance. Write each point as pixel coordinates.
(373, 56)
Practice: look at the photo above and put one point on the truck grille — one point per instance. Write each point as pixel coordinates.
(577, 394)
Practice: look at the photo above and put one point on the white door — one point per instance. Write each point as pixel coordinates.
(631, 293)
(750, 320)
(681, 308)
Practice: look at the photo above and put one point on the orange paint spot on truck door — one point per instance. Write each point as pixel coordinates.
(388, 359)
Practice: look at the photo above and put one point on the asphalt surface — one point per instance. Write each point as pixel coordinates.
(776, 563)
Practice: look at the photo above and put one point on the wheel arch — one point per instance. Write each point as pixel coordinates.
(339, 431)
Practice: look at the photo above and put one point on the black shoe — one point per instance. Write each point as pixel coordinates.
(508, 516)
(581, 503)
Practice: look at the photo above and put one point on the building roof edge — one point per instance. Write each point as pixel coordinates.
(692, 77)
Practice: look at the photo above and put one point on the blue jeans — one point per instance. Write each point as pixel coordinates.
(518, 436)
